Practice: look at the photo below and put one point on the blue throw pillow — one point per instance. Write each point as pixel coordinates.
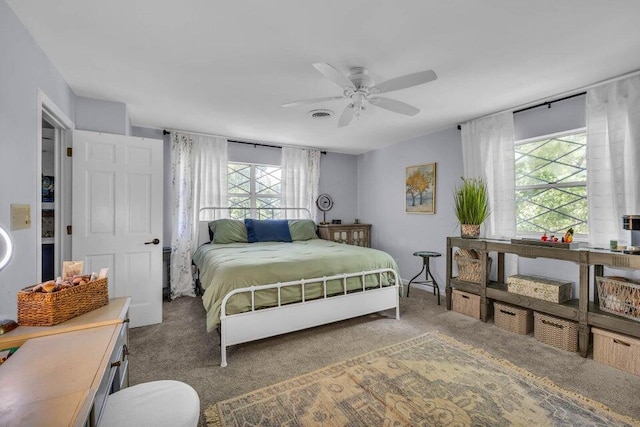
(270, 230)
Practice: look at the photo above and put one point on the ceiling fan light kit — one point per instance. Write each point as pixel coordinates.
(359, 88)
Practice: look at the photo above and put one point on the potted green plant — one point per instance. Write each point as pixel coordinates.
(471, 205)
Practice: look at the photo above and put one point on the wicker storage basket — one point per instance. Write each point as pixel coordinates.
(470, 270)
(512, 318)
(557, 332)
(619, 351)
(48, 309)
(619, 296)
(466, 303)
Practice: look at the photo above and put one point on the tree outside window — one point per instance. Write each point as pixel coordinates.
(551, 184)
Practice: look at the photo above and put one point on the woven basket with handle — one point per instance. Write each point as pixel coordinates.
(48, 309)
(619, 296)
(513, 318)
(554, 331)
(470, 269)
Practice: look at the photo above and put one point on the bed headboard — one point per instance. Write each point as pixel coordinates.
(209, 214)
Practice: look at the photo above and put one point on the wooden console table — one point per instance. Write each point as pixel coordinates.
(61, 375)
(580, 309)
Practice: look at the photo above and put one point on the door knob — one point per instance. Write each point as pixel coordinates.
(153, 242)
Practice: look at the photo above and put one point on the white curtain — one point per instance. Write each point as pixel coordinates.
(300, 178)
(613, 158)
(488, 153)
(198, 179)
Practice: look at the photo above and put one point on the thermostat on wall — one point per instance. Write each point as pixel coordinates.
(20, 217)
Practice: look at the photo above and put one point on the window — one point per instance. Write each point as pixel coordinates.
(252, 186)
(551, 184)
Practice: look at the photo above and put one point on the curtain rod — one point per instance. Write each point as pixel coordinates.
(542, 104)
(568, 94)
(548, 103)
(255, 144)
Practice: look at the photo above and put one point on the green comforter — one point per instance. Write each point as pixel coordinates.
(224, 267)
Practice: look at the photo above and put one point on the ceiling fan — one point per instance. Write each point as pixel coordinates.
(359, 88)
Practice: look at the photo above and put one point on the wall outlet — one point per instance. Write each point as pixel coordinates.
(20, 217)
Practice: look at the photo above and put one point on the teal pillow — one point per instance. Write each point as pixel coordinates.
(228, 231)
(302, 229)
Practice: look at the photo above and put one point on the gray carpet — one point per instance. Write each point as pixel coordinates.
(179, 348)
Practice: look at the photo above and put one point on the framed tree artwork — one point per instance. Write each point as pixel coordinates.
(420, 196)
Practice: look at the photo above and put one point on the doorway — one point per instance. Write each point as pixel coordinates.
(53, 200)
(48, 232)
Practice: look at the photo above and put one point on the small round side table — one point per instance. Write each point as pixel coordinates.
(429, 279)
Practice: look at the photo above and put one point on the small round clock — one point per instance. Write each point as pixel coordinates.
(324, 203)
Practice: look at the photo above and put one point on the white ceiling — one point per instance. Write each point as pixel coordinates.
(225, 67)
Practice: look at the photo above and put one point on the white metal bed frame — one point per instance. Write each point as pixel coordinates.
(283, 318)
(267, 322)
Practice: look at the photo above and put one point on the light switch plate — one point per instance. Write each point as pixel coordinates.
(20, 217)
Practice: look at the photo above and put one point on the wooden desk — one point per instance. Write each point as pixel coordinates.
(52, 380)
(61, 375)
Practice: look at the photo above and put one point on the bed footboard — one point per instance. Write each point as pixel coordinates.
(267, 322)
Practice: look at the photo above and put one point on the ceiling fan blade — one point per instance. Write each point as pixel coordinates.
(346, 116)
(311, 101)
(403, 82)
(395, 106)
(334, 75)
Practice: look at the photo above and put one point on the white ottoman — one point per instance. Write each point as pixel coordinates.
(156, 403)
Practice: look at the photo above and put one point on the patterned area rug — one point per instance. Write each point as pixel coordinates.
(431, 380)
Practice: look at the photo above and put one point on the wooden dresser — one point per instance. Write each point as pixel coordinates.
(351, 234)
(62, 374)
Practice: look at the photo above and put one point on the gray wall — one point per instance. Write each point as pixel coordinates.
(339, 179)
(102, 116)
(381, 194)
(564, 115)
(24, 69)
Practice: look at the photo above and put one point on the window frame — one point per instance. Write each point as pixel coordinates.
(253, 195)
(556, 135)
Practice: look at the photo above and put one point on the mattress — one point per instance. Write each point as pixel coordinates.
(224, 267)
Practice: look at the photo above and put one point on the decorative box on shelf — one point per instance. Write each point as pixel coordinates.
(540, 287)
(51, 308)
(555, 331)
(512, 318)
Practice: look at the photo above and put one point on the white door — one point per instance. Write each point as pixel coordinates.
(117, 216)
